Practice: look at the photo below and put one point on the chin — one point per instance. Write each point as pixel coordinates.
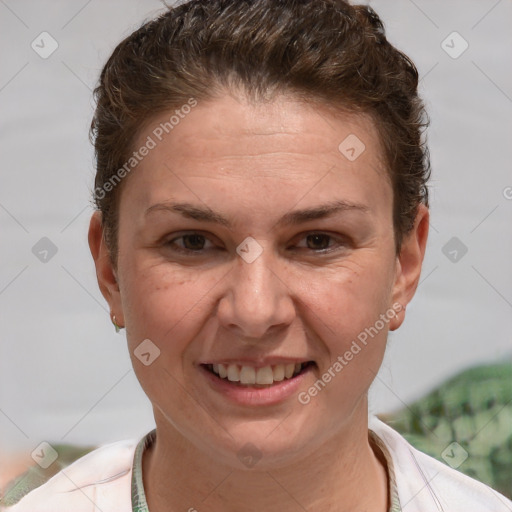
(262, 444)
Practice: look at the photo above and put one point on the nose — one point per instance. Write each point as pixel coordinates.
(258, 300)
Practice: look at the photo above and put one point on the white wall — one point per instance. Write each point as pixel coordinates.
(66, 376)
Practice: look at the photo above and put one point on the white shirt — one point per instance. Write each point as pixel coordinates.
(102, 481)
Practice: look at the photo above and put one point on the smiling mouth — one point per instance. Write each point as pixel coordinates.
(267, 376)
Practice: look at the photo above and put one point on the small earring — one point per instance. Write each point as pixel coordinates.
(117, 327)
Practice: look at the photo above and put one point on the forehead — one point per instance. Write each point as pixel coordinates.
(232, 142)
(257, 127)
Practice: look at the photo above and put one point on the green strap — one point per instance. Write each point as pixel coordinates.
(139, 503)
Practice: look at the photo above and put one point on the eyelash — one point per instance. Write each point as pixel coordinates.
(172, 245)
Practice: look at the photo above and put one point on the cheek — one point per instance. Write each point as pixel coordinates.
(164, 305)
(168, 308)
(350, 298)
(344, 311)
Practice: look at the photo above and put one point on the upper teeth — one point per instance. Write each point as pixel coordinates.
(250, 375)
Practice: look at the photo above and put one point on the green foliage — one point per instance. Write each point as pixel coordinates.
(473, 409)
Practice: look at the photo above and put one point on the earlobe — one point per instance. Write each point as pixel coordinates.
(409, 264)
(105, 272)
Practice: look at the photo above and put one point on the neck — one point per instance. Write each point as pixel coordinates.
(344, 474)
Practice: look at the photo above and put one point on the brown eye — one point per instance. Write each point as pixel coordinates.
(193, 242)
(321, 243)
(318, 241)
(190, 243)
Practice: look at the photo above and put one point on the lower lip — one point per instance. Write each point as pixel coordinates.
(246, 395)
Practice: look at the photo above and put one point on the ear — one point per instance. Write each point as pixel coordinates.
(408, 265)
(105, 271)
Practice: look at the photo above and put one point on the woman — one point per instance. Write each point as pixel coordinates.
(262, 221)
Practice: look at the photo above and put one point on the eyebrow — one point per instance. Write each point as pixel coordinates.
(295, 217)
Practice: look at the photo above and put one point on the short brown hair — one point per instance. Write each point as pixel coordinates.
(325, 50)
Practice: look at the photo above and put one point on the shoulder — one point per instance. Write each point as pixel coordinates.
(101, 480)
(425, 484)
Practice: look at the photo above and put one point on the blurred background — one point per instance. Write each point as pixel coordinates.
(66, 377)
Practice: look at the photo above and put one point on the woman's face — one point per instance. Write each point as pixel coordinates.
(255, 238)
